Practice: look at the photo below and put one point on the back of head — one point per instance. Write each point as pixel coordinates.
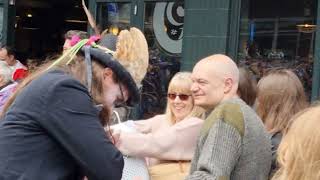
(10, 50)
(132, 52)
(80, 34)
(280, 95)
(247, 89)
(298, 153)
(181, 84)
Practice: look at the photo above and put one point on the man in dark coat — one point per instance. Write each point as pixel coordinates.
(51, 127)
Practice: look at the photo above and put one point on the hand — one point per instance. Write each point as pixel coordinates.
(116, 137)
(109, 131)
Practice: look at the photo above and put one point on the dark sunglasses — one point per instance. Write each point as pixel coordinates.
(182, 97)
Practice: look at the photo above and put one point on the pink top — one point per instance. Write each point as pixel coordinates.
(159, 141)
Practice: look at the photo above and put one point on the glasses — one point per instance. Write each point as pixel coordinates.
(120, 102)
(182, 97)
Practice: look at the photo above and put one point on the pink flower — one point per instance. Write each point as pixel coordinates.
(74, 40)
(93, 39)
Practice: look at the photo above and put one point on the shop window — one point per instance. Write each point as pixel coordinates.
(278, 34)
(113, 17)
(163, 28)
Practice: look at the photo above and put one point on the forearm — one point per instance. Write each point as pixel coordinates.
(142, 145)
(148, 125)
(177, 142)
(143, 126)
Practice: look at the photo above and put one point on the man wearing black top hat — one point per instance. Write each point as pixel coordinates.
(51, 128)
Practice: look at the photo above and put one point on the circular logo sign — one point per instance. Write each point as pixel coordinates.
(168, 25)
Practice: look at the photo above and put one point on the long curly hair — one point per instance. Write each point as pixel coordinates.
(132, 53)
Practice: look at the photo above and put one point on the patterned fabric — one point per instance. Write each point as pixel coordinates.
(6, 92)
(233, 145)
(134, 167)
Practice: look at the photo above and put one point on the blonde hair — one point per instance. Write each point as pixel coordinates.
(181, 83)
(280, 95)
(132, 53)
(298, 153)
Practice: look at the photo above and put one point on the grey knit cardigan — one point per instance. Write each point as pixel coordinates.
(233, 145)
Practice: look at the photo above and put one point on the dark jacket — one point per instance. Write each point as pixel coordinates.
(275, 141)
(52, 132)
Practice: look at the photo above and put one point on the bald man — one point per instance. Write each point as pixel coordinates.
(233, 142)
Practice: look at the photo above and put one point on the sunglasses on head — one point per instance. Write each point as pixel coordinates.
(182, 97)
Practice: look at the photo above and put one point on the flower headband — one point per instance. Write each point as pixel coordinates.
(77, 44)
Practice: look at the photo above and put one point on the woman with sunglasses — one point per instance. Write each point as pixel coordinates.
(168, 138)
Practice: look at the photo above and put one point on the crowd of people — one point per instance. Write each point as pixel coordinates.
(220, 123)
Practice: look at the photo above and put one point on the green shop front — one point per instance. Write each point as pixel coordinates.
(7, 15)
(260, 35)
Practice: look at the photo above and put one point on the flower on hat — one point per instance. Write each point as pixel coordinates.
(93, 39)
(74, 40)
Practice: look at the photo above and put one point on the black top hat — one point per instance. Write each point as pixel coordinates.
(122, 74)
(126, 70)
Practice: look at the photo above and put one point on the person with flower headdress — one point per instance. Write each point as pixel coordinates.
(72, 37)
(52, 127)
